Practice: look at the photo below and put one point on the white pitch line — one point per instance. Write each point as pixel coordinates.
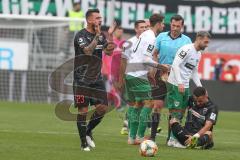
(56, 132)
(39, 132)
(226, 130)
(105, 134)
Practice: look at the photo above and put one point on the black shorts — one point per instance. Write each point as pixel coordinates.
(159, 91)
(181, 134)
(89, 94)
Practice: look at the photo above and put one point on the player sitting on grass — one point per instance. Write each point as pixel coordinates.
(201, 116)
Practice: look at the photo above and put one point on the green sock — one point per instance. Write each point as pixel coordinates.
(134, 122)
(172, 135)
(129, 112)
(143, 120)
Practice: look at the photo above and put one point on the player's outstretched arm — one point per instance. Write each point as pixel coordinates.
(109, 46)
(121, 80)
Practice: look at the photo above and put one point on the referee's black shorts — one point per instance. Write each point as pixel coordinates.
(89, 94)
(159, 91)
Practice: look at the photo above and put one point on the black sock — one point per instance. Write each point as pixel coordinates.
(149, 124)
(179, 132)
(169, 128)
(95, 120)
(155, 123)
(204, 140)
(208, 146)
(82, 127)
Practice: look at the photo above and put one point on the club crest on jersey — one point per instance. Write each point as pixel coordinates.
(81, 42)
(150, 48)
(182, 54)
(176, 103)
(149, 94)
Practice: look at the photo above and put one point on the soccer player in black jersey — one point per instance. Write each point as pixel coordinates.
(88, 86)
(201, 116)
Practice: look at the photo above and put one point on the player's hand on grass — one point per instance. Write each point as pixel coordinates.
(181, 88)
(188, 141)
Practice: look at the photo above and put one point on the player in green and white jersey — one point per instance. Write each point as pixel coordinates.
(138, 87)
(185, 67)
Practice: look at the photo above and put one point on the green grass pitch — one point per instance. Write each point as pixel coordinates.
(32, 131)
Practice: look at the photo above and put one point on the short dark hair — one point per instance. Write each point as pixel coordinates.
(155, 18)
(76, 3)
(177, 17)
(90, 11)
(138, 22)
(119, 27)
(203, 34)
(199, 91)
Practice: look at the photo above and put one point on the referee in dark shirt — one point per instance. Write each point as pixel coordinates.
(201, 116)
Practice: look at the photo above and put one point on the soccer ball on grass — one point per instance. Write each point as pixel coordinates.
(148, 148)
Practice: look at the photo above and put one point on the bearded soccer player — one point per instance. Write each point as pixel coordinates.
(140, 26)
(184, 67)
(89, 44)
(202, 114)
(138, 88)
(167, 44)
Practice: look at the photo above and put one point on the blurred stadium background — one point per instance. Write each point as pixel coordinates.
(35, 39)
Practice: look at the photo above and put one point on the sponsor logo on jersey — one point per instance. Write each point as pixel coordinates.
(196, 114)
(189, 66)
(205, 110)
